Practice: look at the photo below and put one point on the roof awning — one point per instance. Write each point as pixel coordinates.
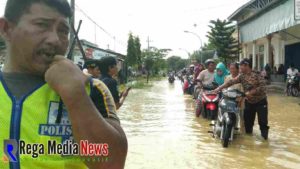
(274, 20)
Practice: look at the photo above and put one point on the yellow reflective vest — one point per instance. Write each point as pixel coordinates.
(33, 120)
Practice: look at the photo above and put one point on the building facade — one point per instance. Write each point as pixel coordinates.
(269, 32)
(92, 51)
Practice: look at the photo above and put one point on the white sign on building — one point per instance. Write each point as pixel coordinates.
(297, 9)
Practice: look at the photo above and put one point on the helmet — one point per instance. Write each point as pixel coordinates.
(209, 61)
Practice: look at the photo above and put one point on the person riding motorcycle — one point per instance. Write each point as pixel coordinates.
(207, 76)
(292, 71)
(234, 72)
(220, 73)
(256, 97)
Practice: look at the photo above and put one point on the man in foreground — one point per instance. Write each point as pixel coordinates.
(37, 78)
(256, 98)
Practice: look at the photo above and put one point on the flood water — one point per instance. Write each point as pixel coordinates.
(163, 133)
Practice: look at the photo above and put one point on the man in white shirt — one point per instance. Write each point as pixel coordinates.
(207, 76)
(292, 71)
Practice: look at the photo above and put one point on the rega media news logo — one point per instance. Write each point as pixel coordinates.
(13, 149)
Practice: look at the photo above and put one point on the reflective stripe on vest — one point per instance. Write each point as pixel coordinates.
(32, 119)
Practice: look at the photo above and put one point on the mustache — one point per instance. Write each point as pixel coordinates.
(50, 51)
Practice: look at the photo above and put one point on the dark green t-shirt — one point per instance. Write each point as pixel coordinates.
(20, 84)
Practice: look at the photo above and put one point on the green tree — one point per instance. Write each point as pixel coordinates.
(138, 52)
(131, 59)
(176, 63)
(153, 60)
(220, 37)
(208, 46)
(206, 54)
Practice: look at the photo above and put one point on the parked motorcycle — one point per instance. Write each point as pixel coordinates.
(228, 116)
(292, 87)
(207, 102)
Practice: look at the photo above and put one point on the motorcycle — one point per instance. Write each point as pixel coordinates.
(188, 85)
(292, 87)
(207, 102)
(171, 79)
(228, 116)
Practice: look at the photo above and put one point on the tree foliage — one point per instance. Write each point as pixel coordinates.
(206, 54)
(153, 59)
(138, 52)
(220, 37)
(134, 54)
(176, 63)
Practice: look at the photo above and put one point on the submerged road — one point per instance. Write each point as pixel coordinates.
(163, 133)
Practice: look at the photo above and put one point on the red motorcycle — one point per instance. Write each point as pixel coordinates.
(207, 102)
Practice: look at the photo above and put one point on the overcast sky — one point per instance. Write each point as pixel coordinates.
(164, 21)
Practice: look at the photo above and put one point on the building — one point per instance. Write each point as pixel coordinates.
(92, 51)
(269, 32)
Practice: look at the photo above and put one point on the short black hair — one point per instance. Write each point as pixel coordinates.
(235, 64)
(106, 63)
(246, 62)
(14, 9)
(91, 64)
(292, 65)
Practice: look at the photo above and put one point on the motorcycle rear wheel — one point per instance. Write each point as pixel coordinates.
(295, 92)
(203, 112)
(289, 91)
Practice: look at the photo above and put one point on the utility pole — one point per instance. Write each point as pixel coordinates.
(72, 22)
(148, 42)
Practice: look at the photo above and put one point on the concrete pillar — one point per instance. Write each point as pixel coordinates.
(277, 53)
(267, 47)
(278, 50)
(269, 54)
(254, 52)
(258, 63)
(283, 52)
(245, 50)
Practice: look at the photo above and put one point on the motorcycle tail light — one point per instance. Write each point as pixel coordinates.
(211, 106)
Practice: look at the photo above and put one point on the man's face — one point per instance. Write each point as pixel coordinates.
(191, 69)
(234, 70)
(40, 34)
(96, 72)
(211, 67)
(113, 70)
(244, 68)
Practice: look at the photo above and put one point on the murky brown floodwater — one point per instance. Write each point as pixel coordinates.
(163, 133)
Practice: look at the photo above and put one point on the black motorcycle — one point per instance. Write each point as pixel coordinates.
(171, 79)
(292, 87)
(228, 116)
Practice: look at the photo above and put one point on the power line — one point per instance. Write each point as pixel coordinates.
(97, 25)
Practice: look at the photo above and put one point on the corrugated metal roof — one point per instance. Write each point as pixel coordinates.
(257, 6)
